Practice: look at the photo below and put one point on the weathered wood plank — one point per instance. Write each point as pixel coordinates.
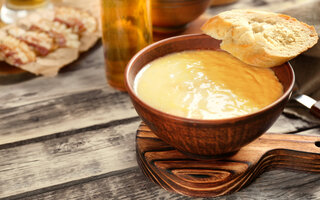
(75, 111)
(80, 110)
(69, 158)
(79, 157)
(132, 184)
(85, 74)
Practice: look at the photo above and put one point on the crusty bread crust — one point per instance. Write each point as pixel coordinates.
(260, 38)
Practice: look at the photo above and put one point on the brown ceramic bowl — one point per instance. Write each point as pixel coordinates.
(173, 15)
(196, 137)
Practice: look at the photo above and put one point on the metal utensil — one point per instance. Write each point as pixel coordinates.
(308, 102)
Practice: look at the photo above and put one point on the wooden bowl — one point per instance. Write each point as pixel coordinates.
(203, 138)
(170, 16)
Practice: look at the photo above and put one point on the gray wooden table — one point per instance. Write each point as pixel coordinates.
(73, 137)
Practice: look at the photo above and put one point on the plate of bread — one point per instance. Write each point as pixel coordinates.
(47, 40)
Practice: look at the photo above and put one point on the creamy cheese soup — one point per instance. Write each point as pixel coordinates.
(206, 84)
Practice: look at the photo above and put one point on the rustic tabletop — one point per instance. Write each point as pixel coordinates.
(73, 137)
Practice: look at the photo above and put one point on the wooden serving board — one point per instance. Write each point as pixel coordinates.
(174, 171)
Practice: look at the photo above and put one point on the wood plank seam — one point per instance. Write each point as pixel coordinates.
(69, 184)
(74, 96)
(62, 114)
(71, 132)
(84, 155)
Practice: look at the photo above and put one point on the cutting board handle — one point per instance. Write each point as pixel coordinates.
(208, 178)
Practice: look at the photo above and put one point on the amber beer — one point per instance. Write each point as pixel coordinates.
(25, 4)
(127, 28)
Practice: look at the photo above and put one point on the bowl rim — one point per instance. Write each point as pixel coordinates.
(133, 95)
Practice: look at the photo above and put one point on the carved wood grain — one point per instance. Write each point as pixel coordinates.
(206, 178)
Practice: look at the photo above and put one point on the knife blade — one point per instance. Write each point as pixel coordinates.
(310, 103)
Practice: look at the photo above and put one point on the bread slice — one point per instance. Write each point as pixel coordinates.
(260, 38)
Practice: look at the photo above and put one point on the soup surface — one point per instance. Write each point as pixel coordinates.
(206, 84)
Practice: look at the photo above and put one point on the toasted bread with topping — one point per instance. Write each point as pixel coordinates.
(47, 40)
(15, 52)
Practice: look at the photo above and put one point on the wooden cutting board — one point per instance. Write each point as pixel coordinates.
(174, 171)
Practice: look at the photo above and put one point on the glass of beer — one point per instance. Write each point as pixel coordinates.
(127, 28)
(12, 10)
